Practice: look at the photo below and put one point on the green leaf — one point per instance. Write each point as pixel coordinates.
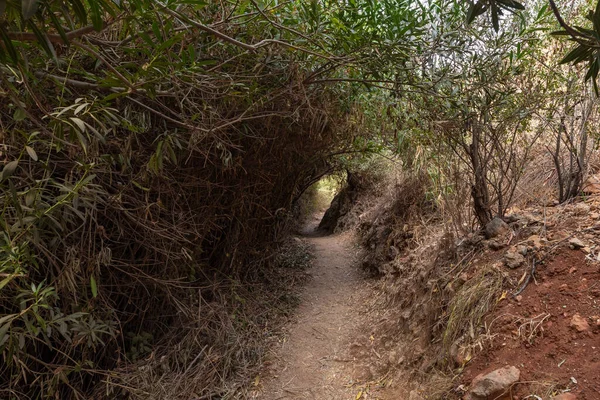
(19, 115)
(475, 10)
(9, 169)
(585, 31)
(79, 10)
(31, 153)
(575, 54)
(43, 41)
(56, 24)
(511, 4)
(80, 124)
(495, 12)
(597, 18)
(8, 44)
(96, 15)
(3, 332)
(29, 8)
(517, 5)
(93, 286)
(7, 280)
(593, 70)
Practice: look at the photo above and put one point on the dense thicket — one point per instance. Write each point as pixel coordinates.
(152, 151)
(144, 164)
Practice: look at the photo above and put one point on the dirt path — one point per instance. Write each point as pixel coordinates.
(314, 360)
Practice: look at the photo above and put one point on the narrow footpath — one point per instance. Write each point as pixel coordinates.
(326, 350)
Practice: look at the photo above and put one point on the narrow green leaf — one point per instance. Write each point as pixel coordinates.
(56, 24)
(510, 4)
(93, 286)
(9, 169)
(8, 44)
(585, 31)
(79, 10)
(80, 124)
(475, 10)
(96, 15)
(517, 5)
(29, 8)
(7, 280)
(31, 153)
(43, 41)
(495, 16)
(574, 54)
(8, 317)
(4, 333)
(597, 18)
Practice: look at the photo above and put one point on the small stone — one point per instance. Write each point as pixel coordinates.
(393, 357)
(572, 270)
(579, 323)
(594, 215)
(513, 259)
(512, 218)
(519, 298)
(564, 287)
(565, 396)
(535, 241)
(494, 384)
(582, 209)
(522, 250)
(591, 185)
(414, 395)
(495, 228)
(496, 245)
(576, 243)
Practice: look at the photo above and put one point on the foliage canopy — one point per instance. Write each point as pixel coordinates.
(152, 151)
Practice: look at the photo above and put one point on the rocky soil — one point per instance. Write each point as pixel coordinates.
(511, 312)
(549, 325)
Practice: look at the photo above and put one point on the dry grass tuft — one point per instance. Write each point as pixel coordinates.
(470, 304)
(226, 338)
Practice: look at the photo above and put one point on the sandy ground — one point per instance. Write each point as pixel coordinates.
(313, 360)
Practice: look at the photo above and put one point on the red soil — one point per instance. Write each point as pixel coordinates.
(534, 331)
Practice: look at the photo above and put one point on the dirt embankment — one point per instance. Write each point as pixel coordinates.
(442, 310)
(453, 307)
(551, 330)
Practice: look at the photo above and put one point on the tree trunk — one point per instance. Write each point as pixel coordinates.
(479, 189)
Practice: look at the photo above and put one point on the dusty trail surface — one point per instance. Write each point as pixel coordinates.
(314, 360)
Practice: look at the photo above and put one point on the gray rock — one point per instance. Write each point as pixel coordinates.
(512, 218)
(496, 245)
(576, 243)
(582, 209)
(495, 228)
(579, 323)
(522, 250)
(513, 259)
(493, 385)
(414, 395)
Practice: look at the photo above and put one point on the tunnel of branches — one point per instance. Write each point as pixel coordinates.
(154, 157)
